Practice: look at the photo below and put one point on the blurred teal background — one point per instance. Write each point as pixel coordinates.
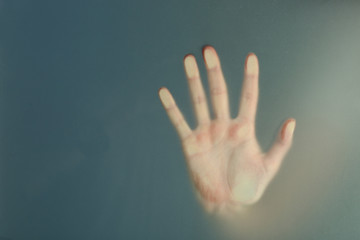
(87, 151)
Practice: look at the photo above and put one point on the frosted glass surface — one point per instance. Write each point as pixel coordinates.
(87, 152)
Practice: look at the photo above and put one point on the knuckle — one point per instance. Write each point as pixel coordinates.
(170, 107)
(251, 76)
(199, 99)
(248, 96)
(215, 69)
(217, 91)
(194, 78)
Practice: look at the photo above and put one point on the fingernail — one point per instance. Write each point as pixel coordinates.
(210, 58)
(190, 66)
(290, 130)
(165, 98)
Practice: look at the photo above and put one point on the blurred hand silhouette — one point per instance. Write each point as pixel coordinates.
(226, 164)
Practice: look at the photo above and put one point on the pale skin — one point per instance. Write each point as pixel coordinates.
(226, 164)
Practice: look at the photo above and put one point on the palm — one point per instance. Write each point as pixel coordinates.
(225, 161)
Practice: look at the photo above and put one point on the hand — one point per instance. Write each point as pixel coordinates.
(224, 159)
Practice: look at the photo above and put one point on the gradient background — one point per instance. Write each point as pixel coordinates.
(87, 152)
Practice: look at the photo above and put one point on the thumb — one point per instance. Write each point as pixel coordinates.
(281, 146)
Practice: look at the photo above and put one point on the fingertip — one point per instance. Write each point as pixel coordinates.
(163, 93)
(288, 129)
(250, 54)
(189, 55)
(292, 126)
(190, 65)
(161, 89)
(165, 97)
(292, 122)
(210, 57)
(291, 119)
(251, 63)
(207, 47)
